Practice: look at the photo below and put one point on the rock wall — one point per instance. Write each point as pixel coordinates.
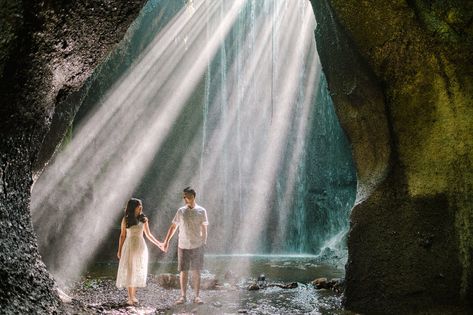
(400, 74)
(47, 51)
(401, 77)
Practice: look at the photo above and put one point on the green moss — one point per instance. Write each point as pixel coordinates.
(465, 230)
(433, 119)
(419, 51)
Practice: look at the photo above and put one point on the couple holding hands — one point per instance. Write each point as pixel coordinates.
(192, 222)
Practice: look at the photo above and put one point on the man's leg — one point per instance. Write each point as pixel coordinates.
(183, 268)
(196, 282)
(197, 264)
(183, 275)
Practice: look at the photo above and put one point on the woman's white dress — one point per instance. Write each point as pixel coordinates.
(133, 266)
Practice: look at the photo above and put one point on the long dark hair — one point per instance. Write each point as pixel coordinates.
(130, 217)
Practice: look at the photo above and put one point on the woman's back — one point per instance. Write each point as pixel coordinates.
(135, 230)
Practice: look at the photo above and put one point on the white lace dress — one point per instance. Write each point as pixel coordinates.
(133, 266)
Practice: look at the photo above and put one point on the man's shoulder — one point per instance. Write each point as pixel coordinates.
(182, 208)
(180, 211)
(200, 208)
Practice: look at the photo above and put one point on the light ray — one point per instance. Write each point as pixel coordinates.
(270, 160)
(109, 171)
(255, 123)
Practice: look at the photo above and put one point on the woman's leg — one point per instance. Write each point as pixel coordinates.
(130, 295)
(133, 298)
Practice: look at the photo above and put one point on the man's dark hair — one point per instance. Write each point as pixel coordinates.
(189, 190)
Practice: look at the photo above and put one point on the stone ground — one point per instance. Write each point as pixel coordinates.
(100, 296)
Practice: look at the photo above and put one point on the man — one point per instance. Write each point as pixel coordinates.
(192, 223)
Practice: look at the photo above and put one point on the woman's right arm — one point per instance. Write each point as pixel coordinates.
(122, 238)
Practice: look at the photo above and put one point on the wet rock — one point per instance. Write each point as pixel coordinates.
(63, 296)
(209, 284)
(320, 283)
(253, 287)
(168, 281)
(291, 285)
(230, 276)
(335, 284)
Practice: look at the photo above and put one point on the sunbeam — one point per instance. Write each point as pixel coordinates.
(104, 163)
(222, 98)
(245, 147)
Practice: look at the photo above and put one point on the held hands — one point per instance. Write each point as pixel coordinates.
(165, 246)
(160, 246)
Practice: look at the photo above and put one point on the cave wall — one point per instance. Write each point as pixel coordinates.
(47, 51)
(400, 74)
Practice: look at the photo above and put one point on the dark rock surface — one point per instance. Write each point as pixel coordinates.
(400, 74)
(47, 51)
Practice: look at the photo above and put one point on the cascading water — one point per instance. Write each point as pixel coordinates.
(258, 137)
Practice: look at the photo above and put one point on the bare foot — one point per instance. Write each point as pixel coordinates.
(181, 300)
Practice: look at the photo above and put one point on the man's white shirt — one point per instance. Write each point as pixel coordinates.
(189, 222)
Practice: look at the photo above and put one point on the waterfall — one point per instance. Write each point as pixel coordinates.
(205, 113)
(258, 136)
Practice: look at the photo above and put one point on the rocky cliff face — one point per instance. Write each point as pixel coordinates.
(47, 51)
(400, 74)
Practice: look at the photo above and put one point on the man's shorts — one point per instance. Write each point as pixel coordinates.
(190, 259)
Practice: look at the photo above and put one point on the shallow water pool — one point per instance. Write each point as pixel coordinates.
(235, 273)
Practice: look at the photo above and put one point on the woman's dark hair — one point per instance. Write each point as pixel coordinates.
(130, 217)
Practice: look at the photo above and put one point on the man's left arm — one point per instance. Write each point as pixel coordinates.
(203, 228)
(204, 233)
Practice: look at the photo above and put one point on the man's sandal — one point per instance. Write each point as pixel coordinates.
(181, 300)
(198, 300)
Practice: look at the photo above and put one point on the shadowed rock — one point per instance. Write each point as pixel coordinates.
(48, 50)
(400, 74)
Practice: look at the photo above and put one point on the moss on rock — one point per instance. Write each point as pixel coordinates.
(421, 55)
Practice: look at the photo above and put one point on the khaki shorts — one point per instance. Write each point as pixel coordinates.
(190, 259)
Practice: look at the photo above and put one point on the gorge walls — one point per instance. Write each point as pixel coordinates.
(400, 76)
(47, 51)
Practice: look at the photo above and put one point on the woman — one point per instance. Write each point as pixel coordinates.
(132, 249)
